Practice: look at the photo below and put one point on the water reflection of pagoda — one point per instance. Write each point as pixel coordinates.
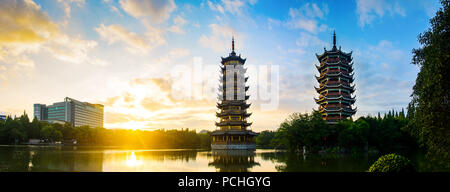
(336, 78)
(232, 105)
(233, 160)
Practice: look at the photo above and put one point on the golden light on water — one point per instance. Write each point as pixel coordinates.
(132, 161)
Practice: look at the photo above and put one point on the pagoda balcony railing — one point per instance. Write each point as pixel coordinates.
(220, 97)
(340, 108)
(232, 111)
(233, 120)
(326, 63)
(321, 97)
(233, 123)
(336, 83)
(337, 97)
(344, 73)
(324, 88)
(236, 88)
(328, 94)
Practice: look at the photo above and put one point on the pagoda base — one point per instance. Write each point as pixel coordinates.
(233, 146)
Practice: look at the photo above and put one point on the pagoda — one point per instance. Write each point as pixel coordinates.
(336, 78)
(232, 132)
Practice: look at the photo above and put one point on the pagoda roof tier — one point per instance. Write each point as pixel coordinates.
(342, 113)
(226, 103)
(352, 100)
(234, 132)
(233, 112)
(222, 87)
(233, 123)
(349, 91)
(233, 57)
(334, 53)
(340, 74)
(327, 64)
(320, 89)
(340, 109)
(222, 78)
(222, 98)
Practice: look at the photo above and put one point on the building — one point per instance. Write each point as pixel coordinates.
(3, 117)
(70, 110)
(40, 111)
(232, 132)
(336, 78)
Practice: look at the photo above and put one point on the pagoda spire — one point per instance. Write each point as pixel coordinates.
(334, 40)
(232, 44)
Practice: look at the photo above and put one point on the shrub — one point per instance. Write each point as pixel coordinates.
(392, 163)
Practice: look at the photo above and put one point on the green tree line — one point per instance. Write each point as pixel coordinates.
(19, 130)
(310, 131)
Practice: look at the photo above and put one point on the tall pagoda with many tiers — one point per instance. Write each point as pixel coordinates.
(232, 132)
(336, 78)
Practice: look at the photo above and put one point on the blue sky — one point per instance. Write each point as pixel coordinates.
(121, 53)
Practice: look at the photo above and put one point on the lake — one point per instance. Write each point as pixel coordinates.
(107, 159)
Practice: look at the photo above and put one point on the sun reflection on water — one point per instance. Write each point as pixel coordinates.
(132, 161)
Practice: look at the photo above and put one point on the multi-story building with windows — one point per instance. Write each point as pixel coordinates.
(40, 111)
(70, 110)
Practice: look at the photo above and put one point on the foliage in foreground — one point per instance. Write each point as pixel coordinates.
(430, 106)
(392, 163)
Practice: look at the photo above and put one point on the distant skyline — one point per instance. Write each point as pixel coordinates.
(120, 53)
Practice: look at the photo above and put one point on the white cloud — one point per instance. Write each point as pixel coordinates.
(178, 23)
(168, 59)
(220, 38)
(157, 10)
(112, 7)
(135, 43)
(368, 10)
(308, 40)
(216, 7)
(67, 7)
(234, 7)
(308, 17)
(73, 50)
(310, 11)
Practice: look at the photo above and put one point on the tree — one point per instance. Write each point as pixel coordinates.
(353, 135)
(50, 133)
(302, 130)
(392, 163)
(35, 129)
(264, 139)
(430, 105)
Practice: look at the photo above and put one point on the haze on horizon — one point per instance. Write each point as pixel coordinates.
(121, 53)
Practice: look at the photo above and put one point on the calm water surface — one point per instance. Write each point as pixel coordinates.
(97, 159)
